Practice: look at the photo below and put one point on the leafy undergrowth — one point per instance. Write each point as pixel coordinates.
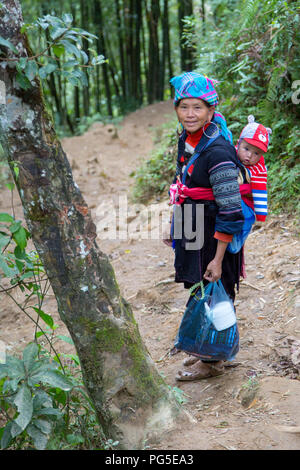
(43, 401)
(153, 177)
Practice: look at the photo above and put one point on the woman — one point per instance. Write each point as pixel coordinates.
(216, 168)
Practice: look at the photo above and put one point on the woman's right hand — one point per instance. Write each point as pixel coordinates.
(213, 271)
(168, 241)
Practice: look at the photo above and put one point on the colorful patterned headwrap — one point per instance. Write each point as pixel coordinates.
(194, 85)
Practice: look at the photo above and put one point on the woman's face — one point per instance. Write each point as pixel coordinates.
(193, 114)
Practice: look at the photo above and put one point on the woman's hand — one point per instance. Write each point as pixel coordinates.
(213, 271)
(168, 241)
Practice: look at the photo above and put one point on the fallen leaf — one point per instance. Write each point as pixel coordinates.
(253, 403)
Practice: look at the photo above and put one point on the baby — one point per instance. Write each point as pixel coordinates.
(251, 147)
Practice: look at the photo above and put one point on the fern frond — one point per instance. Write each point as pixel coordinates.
(249, 12)
(272, 92)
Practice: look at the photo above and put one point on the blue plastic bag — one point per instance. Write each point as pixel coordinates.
(239, 239)
(197, 334)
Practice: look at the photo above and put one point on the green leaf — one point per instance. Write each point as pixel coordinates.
(14, 368)
(20, 265)
(52, 378)
(71, 48)
(81, 76)
(23, 402)
(75, 439)
(43, 22)
(6, 217)
(6, 436)
(4, 240)
(20, 254)
(85, 57)
(8, 272)
(3, 370)
(43, 425)
(58, 50)
(23, 81)
(39, 367)
(14, 227)
(8, 44)
(73, 80)
(25, 27)
(20, 237)
(84, 33)
(15, 429)
(67, 339)
(10, 186)
(41, 401)
(39, 438)
(70, 63)
(22, 63)
(58, 32)
(46, 70)
(39, 334)
(73, 357)
(100, 59)
(30, 354)
(31, 69)
(45, 317)
(49, 412)
(67, 18)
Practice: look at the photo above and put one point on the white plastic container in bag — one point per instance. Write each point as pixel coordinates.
(222, 315)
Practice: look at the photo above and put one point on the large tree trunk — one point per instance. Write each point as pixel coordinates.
(129, 394)
(101, 49)
(84, 20)
(153, 15)
(185, 8)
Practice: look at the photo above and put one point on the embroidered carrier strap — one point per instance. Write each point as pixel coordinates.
(205, 141)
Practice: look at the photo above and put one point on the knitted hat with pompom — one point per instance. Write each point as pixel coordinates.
(256, 134)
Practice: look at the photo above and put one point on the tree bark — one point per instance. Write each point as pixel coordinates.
(84, 14)
(130, 397)
(153, 15)
(101, 49)
(121, 52)
(166, 50)
(185, 8)
(138, 80)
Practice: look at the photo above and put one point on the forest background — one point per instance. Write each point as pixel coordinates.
(251, 47)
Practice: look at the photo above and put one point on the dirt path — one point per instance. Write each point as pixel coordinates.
(254, 405)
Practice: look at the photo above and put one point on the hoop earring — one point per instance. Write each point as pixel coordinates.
(179, 130)
(216, 131)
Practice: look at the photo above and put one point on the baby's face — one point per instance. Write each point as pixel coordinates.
(248, 154)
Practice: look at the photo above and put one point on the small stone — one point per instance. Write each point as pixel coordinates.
(160, 264)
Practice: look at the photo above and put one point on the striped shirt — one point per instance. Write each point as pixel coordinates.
(258, 174)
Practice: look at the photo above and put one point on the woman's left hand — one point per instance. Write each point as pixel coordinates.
(213, 271)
